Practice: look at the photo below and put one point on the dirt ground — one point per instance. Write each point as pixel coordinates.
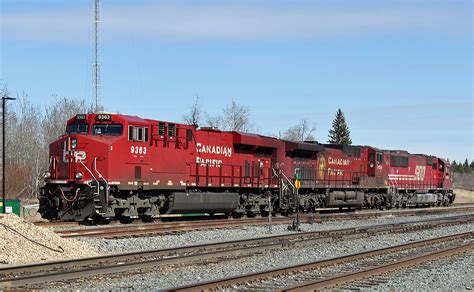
(463, 196)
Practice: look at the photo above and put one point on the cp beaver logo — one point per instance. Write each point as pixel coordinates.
(321, 166)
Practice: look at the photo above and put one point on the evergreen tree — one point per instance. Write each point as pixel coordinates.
(472, 165)
(466, 167)
(454, 166)
(339, 134)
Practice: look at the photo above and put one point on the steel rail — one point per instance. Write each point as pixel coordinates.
(258, 276)
(160, 228)
(21, 275)
(382, 269)
(164, 228)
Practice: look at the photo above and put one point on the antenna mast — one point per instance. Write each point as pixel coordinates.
(96, 65)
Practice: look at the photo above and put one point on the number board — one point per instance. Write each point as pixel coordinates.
(81, 117)
(103, 117)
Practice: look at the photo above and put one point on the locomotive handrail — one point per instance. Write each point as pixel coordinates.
(235, 177)
(289, 181)
(101, 176)
(52, 160)
(87, 168)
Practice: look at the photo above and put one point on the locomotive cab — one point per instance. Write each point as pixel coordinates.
(445, 181)
(78, 165)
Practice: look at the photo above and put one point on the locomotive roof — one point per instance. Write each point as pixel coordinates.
(254, 139)
(304, 146)
(123, 117)
(134, 119)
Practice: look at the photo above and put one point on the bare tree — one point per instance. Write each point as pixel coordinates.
(25, 152)
(303, 131)
(30, 130)
(214, 121)
(57, 114)
(195, 113)
(237, 117)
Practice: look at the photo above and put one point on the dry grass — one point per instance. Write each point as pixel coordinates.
(464, 180)
(463, 196)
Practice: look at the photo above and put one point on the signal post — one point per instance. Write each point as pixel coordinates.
(297, 177)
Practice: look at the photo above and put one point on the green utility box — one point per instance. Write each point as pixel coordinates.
(11, 206)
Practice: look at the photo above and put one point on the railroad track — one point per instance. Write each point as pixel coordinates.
(33, 274)
(121, 230)
(57, 224)
(328, 273)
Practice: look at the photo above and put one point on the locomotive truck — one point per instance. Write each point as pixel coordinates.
(114, 166)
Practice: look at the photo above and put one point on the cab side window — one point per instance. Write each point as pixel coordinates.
(161, 129)
(379, 158)
(171, 130)
(136, 133)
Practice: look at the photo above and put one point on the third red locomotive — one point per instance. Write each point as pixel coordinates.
(118, 166)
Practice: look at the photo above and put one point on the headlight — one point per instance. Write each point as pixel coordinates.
(47, 174)
(74, 143)
(78, 175)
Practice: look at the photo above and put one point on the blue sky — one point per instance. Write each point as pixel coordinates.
(402, 71)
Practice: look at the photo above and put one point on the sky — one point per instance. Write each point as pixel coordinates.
(400, 70)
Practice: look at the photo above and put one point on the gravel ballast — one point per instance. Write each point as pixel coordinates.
(113, 246)
(453, 274)
(22, 242)
(167, 277)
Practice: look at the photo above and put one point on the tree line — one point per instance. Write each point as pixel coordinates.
(29, 131)
(31, 128)
(236, 117)
(463, 167)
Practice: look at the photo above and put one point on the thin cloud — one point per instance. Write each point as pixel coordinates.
(235, 22)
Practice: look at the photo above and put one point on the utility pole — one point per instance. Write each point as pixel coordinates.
(96, 65)
(4, 99)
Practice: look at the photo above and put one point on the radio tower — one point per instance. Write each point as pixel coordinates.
(96, 65)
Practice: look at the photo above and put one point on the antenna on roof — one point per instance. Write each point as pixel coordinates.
(96, 65)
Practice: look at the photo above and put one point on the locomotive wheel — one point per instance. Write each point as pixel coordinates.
(148, 219)
(126, 220)
(236, 215)
(251, 214)
(101, 221)
(263, 212)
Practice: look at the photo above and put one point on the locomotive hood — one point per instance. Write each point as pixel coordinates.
(79, 157)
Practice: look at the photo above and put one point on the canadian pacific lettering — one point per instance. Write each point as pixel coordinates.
(211, 149)
(338, 161)
(210, 162)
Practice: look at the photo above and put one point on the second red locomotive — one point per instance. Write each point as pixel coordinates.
(118, 166)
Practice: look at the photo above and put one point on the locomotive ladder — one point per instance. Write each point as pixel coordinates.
(286, 191)
(99, 200)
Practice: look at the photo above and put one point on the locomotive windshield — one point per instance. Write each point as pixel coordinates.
(77, 129)
(107, 129)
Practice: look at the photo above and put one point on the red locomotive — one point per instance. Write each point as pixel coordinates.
(118, 166)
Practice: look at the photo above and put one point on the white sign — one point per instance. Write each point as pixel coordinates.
(8, 209)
